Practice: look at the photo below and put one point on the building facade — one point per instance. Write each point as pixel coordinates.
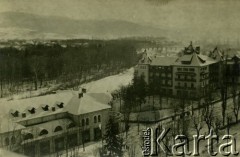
(52, 130)
(189, 75)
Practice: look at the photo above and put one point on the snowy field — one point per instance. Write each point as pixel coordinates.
(110, 83)
(105, 85)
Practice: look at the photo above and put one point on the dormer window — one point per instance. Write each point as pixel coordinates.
(60, 105)
(15, 114)
(84, 90)
(32, 110)
(45, 107)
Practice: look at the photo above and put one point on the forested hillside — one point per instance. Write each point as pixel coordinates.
(70, 62)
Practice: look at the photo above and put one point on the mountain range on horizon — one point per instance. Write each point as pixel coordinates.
(15, 25)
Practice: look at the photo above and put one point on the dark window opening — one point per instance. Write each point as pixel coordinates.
(58, 128)
(28, 136)
(97, 134)
(43, 132)
(87, 121)
(6, 141)
(95, 119)
(13, 140)
(71, 125)
(99, 118)
(83, 122)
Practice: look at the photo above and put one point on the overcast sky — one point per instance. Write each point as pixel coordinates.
(219, 18)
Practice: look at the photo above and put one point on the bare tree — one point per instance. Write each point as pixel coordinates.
(208, 116)
(37, 65)
(197, 125)
(217, 125)
(236, 105)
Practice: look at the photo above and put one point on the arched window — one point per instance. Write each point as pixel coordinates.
(58, 128)
(71, 125)
(6, 141)
(95, 119)
(13, 140)
(83, 122)
(87, 121)
(43, 132)
(99, 118)
(28, 136)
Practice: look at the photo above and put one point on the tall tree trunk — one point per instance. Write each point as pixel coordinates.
(35, 81)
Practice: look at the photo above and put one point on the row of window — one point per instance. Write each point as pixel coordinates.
(185, 85)
(7, 141)
(161, 68)
(203, 68)
(185, 77)
(187, 94)
(162, 82)
(142, 67)
(161, 74)
(186, 69)
(203, 76)
(96, 119)
(45, 132)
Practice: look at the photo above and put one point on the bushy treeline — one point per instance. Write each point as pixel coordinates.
(39, 62)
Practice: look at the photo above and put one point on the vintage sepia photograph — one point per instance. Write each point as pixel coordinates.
(119, 78)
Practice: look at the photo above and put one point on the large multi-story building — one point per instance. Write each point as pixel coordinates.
(190, 75)
(49, 128)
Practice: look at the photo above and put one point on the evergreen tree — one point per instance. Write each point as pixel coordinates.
(113, 141)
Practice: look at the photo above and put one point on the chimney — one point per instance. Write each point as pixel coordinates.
(53, 109)
(84, 90)
(23, 115)
(198, 49)
(80, 95)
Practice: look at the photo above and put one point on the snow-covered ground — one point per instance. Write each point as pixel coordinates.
(105, 85)
(110, 83)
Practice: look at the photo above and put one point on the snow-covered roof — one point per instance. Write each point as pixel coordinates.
(72, 104)
(163, 61)
(7, 124)
(90, 102)
(194, 59)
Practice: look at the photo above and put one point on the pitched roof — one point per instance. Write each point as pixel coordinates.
(194, 59)
(88, 103)
(216, 55)
(163, 61)
(7, 124)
